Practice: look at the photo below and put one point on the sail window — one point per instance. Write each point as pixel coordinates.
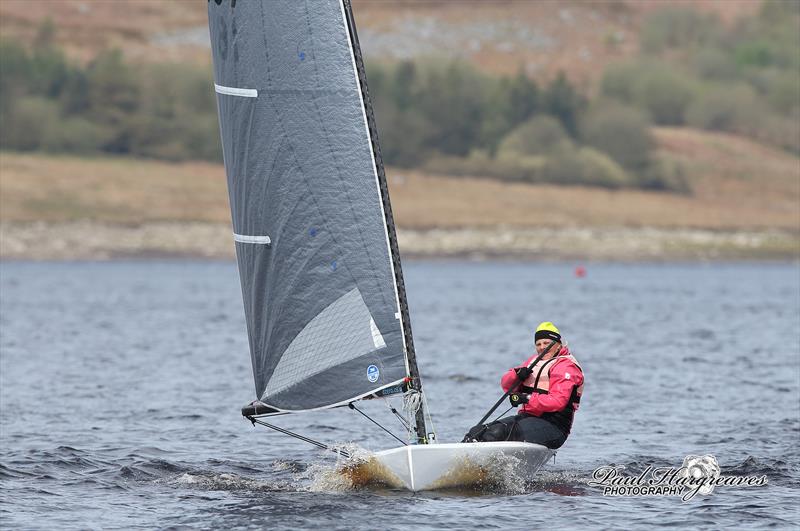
(377, 338)
(337, 334)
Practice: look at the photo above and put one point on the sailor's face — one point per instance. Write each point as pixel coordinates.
(542, 344)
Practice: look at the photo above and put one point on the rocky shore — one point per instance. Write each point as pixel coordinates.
(86, 240)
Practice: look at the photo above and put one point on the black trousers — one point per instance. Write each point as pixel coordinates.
(525, 428)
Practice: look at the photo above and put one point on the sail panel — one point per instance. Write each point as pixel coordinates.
(337, 334)
(317, 279)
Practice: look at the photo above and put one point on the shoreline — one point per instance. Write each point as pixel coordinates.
(98, 241)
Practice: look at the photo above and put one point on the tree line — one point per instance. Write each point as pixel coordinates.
(48, 103)
(445, 116)
(442, 116)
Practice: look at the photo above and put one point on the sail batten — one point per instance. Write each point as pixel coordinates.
(248, 238)
(235, 91)
(318, 268)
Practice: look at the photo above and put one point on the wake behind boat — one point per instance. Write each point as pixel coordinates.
(320, 271)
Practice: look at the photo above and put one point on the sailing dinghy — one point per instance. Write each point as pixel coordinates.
(323, 291)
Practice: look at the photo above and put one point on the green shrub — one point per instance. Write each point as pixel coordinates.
(451, 97)
(15, 73)
(665, 94)
(540, 135)
(154, 136)
(113, 88)
(25, 126)
(715, 64)
(201, 137)
(404, 136)
(403, 85)
(656, 87)
(755, 53)
(509, 102)
(783, 91)
(584, 166)
(566, 166)
(480, 164)
(601, 170)
(621, 132)
(174, 90)
(619, 81)
(724, 108)
(175, 116)
(664, 174)
(562, 100)
(50, 72)
(74, 135)
(522, 96)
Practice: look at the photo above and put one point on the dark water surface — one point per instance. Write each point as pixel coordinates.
(121, 385)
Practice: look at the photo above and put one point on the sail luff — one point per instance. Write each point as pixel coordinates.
(391, 233)
(380, 178)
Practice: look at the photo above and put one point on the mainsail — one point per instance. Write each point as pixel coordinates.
(315, 244)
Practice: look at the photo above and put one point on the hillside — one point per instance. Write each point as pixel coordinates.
(737, 184)
(735, 193)
(542, 38)
(746, 203)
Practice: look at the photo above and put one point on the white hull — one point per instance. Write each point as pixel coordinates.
(453, 465)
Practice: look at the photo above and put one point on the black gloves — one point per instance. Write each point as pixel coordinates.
(518, 399)
(523, 372)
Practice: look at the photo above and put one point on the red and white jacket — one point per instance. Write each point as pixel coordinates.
(555, 386)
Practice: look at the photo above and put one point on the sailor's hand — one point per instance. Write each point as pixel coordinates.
(523, 372)
(518, 399)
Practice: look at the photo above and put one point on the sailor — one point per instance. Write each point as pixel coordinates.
(548, 394)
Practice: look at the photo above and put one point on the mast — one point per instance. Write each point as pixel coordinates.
(411, 356)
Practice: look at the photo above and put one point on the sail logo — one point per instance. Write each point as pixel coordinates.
(373, 373)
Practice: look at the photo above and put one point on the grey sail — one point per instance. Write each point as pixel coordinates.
(314, 240)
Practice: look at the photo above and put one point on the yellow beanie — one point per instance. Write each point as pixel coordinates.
(547, 330)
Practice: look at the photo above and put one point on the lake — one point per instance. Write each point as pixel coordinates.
(121, 385)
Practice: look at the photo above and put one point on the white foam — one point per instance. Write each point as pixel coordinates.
(224, 481)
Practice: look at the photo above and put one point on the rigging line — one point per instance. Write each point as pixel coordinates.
(412, 404)
(503, 413)
(427, 410)
(352, 406)
(405, 424)
(516, 384)
(298, 436)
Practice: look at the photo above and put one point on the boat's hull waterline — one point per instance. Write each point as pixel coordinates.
(449, 466)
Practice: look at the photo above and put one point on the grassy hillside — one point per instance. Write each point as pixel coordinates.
(116, 190)
(485, 109)
(729, 67)
(737, 184)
